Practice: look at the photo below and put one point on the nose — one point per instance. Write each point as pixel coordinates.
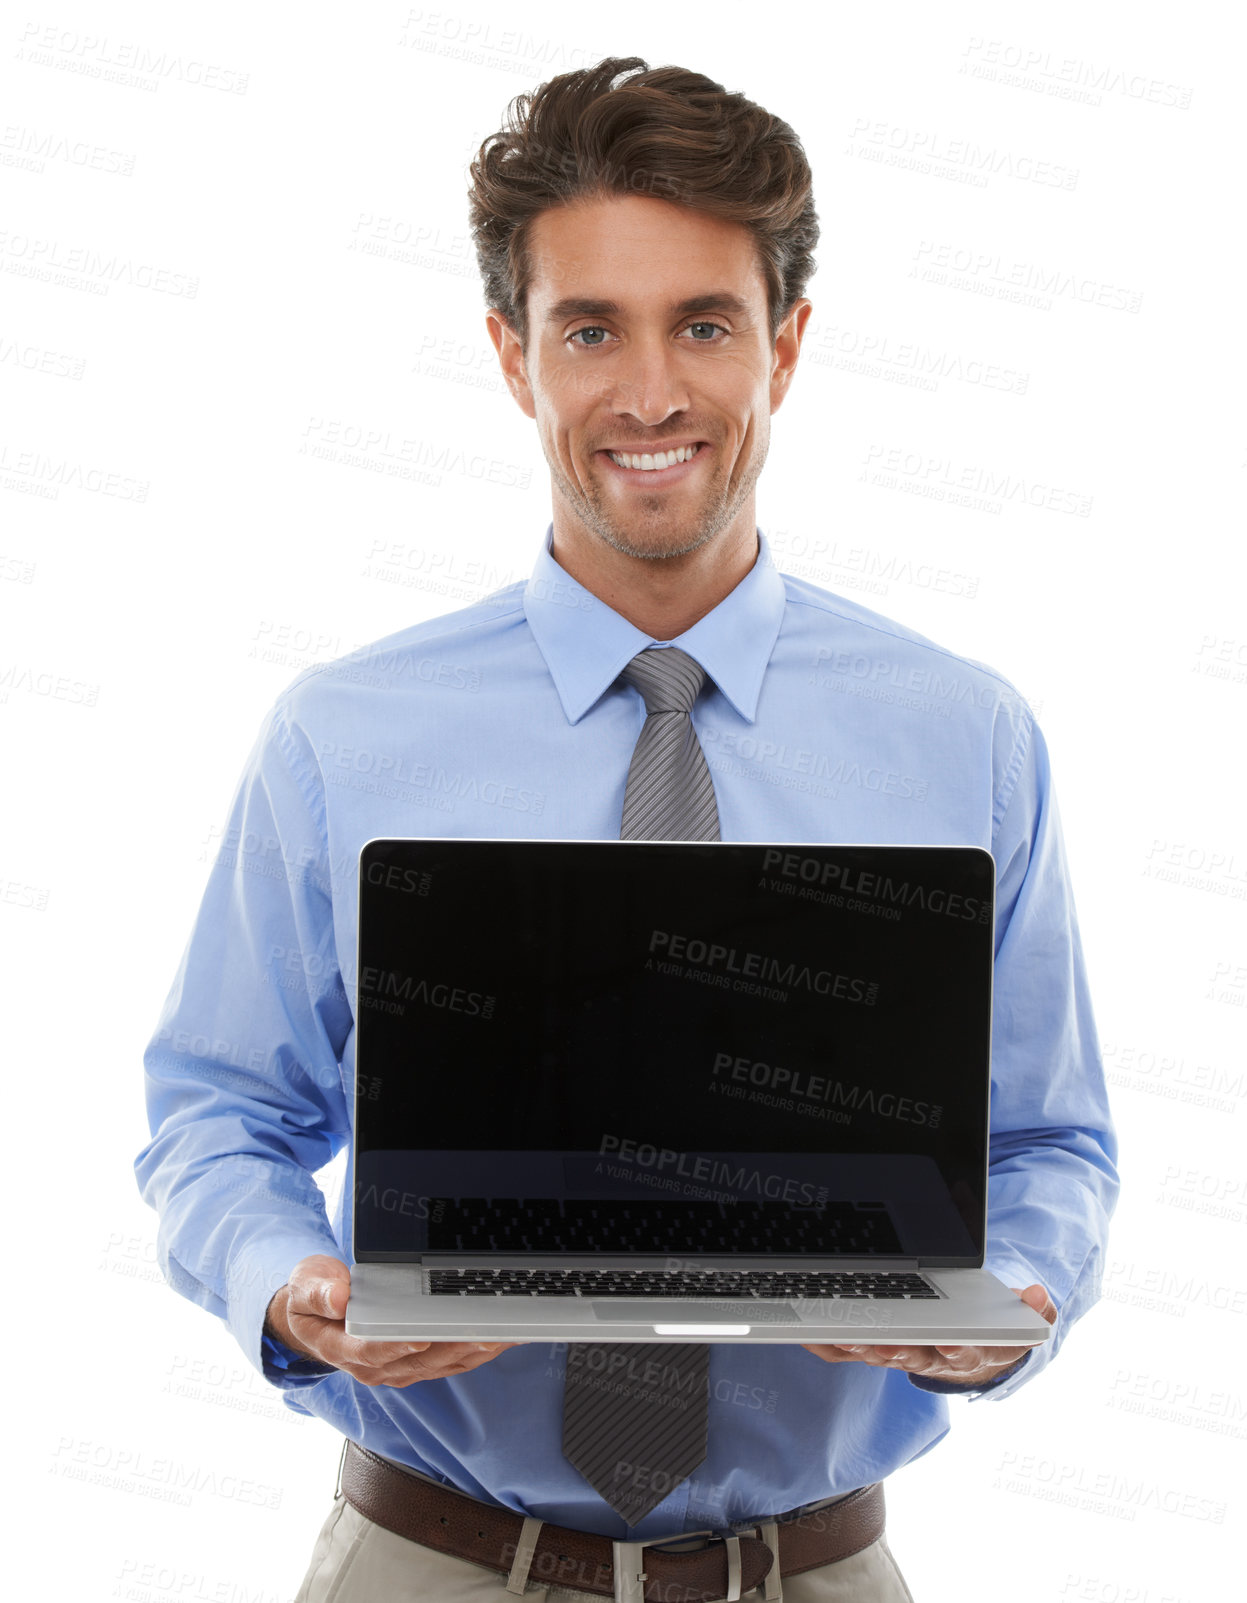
(648, 384)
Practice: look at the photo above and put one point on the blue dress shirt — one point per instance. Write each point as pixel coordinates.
(821, 721)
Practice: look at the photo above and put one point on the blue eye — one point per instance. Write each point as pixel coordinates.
(596, 328)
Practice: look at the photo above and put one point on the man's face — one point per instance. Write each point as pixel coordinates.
(647, 330)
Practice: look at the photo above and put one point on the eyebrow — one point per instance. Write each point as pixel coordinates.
(719, 300)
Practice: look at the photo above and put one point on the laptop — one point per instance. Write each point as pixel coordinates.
(658, 1091)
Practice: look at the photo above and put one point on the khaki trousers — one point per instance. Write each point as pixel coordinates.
(355, 1561)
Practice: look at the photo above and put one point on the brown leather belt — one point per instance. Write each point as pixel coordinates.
(485, 1534)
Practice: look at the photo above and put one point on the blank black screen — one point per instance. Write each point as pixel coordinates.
(653, 1022)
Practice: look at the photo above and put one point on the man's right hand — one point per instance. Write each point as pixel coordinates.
(308, 1314)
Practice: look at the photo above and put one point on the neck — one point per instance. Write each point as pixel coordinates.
(661, 596)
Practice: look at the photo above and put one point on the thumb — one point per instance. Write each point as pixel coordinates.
(1036, 1297)
(320, 1285)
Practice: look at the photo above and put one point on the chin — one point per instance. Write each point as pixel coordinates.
(658, 546)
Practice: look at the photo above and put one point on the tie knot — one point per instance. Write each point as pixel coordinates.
(668, 678)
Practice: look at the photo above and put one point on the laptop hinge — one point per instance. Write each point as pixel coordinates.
(657, 1261)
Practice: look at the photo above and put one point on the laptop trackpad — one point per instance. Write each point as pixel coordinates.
(674, 1311)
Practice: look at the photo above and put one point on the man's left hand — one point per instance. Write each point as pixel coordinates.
(969, 1366)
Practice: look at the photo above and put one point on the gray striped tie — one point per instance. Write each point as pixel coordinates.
(636, 1414)
(670, 794)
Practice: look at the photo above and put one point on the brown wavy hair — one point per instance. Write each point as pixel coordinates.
(662, 131)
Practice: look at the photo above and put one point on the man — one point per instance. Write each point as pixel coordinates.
(644, 238)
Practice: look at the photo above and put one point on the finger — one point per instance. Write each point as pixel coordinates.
(443, 1354)
(339, 1348)
(432, 1354)
(966, 1360)
(913, 1360)
(879, 1355)
(976, 1363)
(336, 1347)
(433, 1365)
(1037, 1297)
(460, 1365)
(830, 1352)
(858, 1352)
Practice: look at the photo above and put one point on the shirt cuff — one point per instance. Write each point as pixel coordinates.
(254, 1276)
(282, 1365)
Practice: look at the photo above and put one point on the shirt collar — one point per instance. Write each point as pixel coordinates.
(586, 644)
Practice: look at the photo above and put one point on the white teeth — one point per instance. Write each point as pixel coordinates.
(647, 463)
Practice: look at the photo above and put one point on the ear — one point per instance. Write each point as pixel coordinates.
(511, 359)
(787, 349)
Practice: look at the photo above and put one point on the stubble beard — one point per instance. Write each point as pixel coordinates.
(661, 542)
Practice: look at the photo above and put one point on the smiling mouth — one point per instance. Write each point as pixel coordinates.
(647, 462)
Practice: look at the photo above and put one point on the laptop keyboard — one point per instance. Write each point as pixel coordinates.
(482, 1224)
(783, 1284)
(507, 1224)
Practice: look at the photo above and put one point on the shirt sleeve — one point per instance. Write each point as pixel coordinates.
(1052, 1179)
(244, 1088)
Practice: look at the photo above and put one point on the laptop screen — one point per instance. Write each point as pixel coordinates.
(625, 1046)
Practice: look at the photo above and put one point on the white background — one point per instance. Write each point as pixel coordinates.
(183, 531)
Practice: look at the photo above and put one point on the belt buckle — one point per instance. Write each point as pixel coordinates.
(627, 1560)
